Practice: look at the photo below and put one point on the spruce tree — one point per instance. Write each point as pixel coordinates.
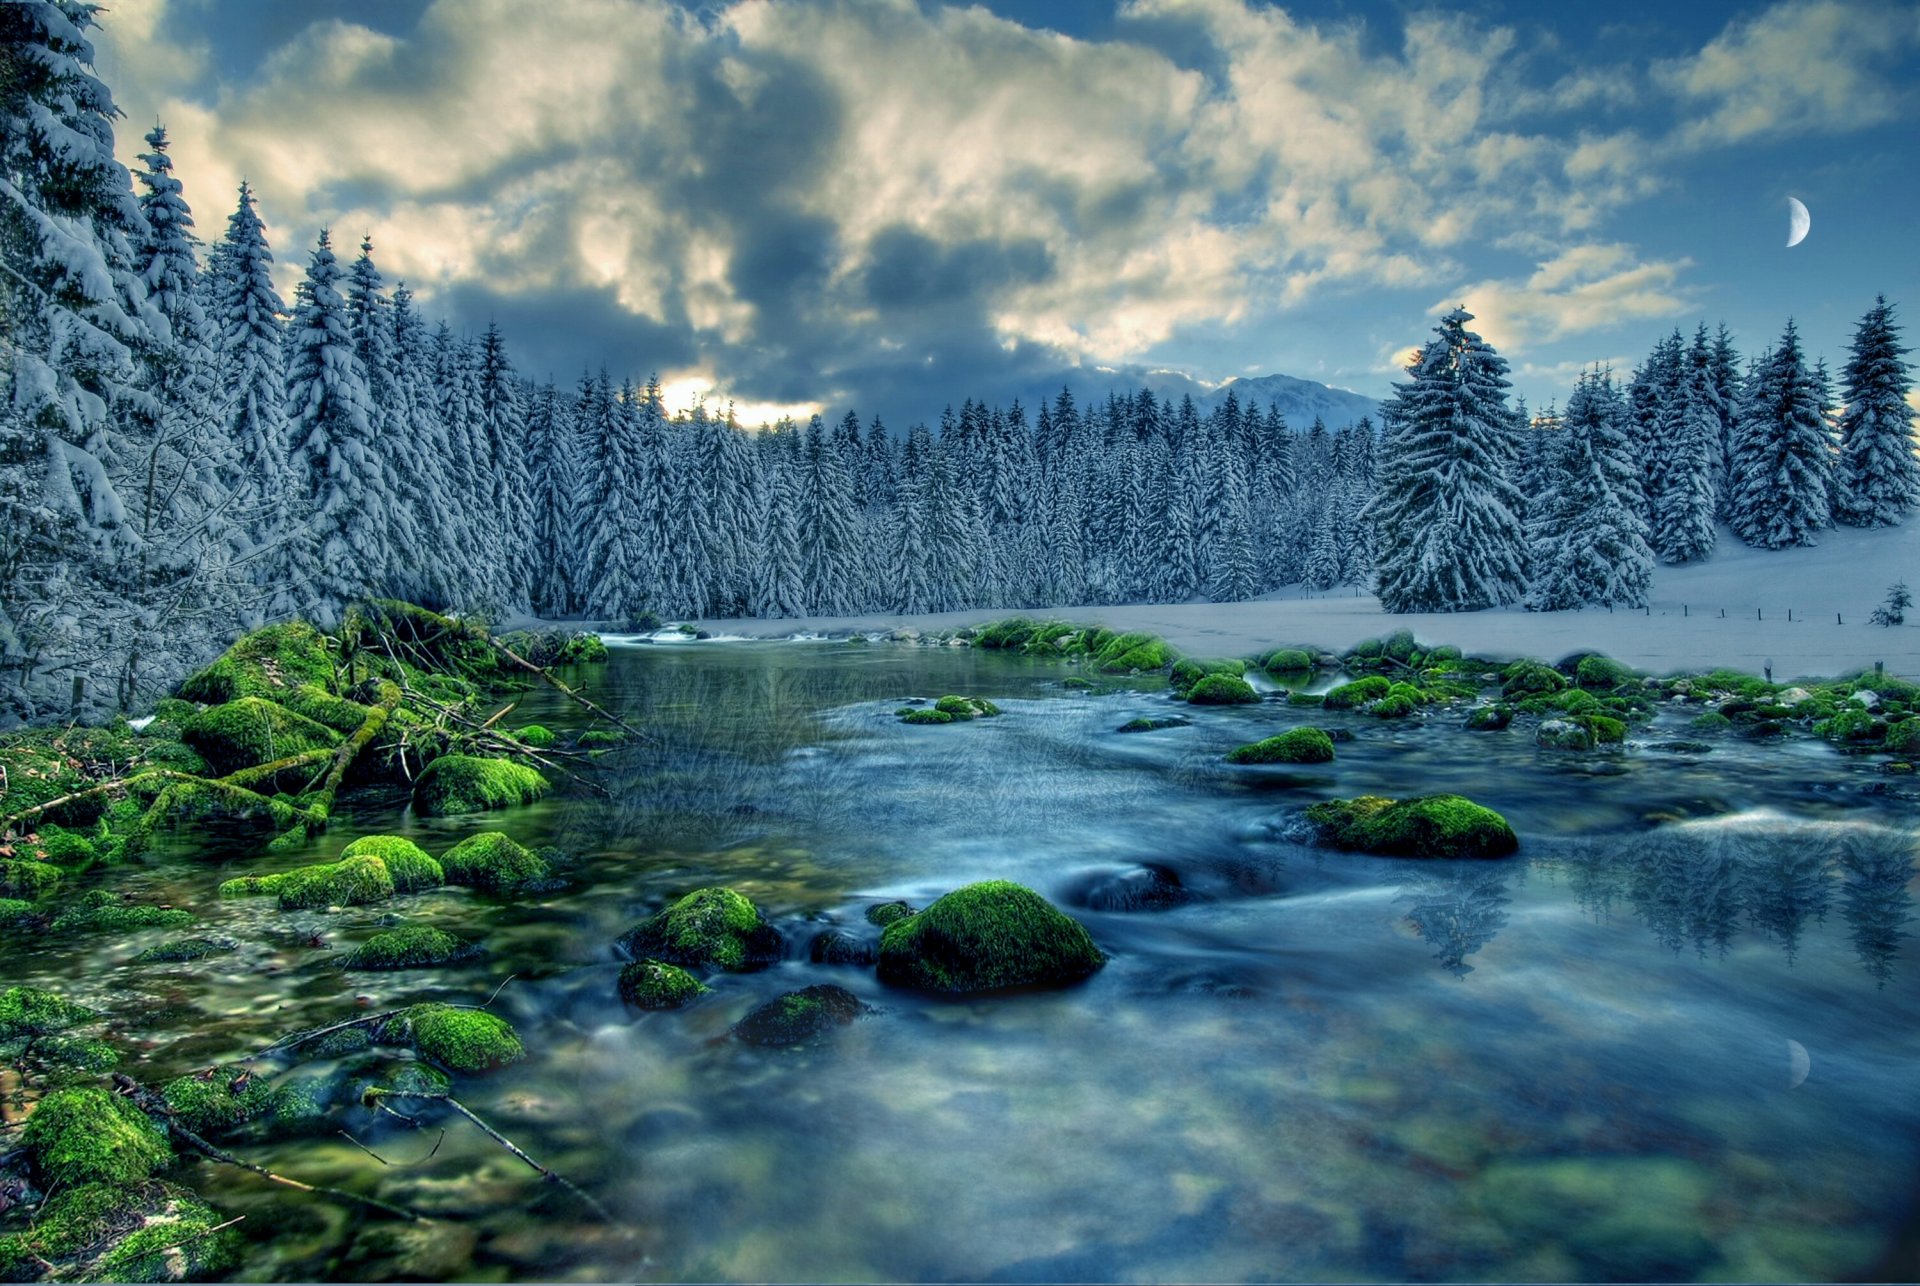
(1445, 517)
(615, 584)
(250, 388)
(1878, 483)
(1683, 520)
(508, 511)
(1592, 545)
(1783, 454)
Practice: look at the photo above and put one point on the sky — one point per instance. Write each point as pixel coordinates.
(892, 205)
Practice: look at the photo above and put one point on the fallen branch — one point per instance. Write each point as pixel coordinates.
(525, 664)
(376, 1093)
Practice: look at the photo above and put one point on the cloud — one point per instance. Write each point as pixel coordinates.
(1592, 287)
(1799, 67)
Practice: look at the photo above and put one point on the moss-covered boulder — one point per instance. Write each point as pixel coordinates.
(1294, 746)
(837, 947)
(85, 1135)
(1147, 723)
(460, 1040)
(1222, 690)
(494, 863)
(98, 911)
(1489, 718)
(881, 914)
(270, 662)
(147, 1232)
(15, 914)
(926, 715)
(655, 984)
(352, 881)
(987, 937)
(1603, 673)
(29, 1012)
(1424, 826)
(412, 870)
(27, 881)
(1903, 738)
(799, 1016)
(1125, 653)
(1188, 671)
(599, 739)
(708, 928)
(1563, 734)
(454, 784)
(323, 707)
(412, 946)
(185, 950)
(1288, 661)
(536, 735)
(218, 1099)
(253, 731)
(1605, 729)
(1530, 678)
(1351, 696)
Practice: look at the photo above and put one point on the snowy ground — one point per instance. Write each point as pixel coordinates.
(1846, 576)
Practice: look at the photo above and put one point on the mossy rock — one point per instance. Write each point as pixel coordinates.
(321, 706)
(460, 1040)
(1124, 653)
(1395, 705)
(412, 870)
(1852, 724)
(1350, 696)
(185, 950)
(1603, 673)
(1903, 738)
(536, 735)
(454, 784)
(1572, 701)
(1606, 730)
(836, 947)
(15, 914)
(252, 731)
(147, 1232)
(1222, 690)
(599, 738)
(494, 863)
(962, 708)
(27, 881)
(1014, 632)
(799, 1016)
(881, 914)
(352, 881)
(29, 1011)
(63, 847)
(708, 928)
(1188, 671)
(85, 1135)
(1287, 660)
(923, 715)
(1564, 734)
(1310, 699)
(987, 937)
(1530, 678)
(412, 946)
(1424, 826)
(655, 984)
(212, 1104)
(1294, 746)
(1712, 721)
(1076, 683)
(268, 663)
(1493, 718)
(98, 911)
(1147, 723)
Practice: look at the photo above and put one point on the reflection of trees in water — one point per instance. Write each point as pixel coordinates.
(1458, 908)
(1698, 886)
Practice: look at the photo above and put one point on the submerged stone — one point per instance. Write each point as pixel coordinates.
(987, 937)
(836, 947)
(414, 946)
(1493, 718)
(1144, 888)
(800, 1016)
(1424, 826)
(98, 911)
(655, 984)
(708, 928)
(185, 950)
(884, 913)
(1146, 724)
(454, 784)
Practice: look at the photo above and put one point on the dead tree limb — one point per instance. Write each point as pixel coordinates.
(376, 1093)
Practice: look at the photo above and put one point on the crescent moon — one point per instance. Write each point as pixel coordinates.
(1798, 1064)
(1798, 221)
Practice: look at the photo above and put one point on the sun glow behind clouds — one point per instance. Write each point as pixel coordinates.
(683, 392)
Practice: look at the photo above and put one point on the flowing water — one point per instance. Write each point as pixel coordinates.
(1675, 1037)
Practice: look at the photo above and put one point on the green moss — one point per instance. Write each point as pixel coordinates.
(67, 848)
(960, 708)
(252, 731)
(177, 1243)
(66, 1059)
(1187, 672)
(1712, 721)
(455, 784)
(1424, 826)
(1397, 704)
(655, 984)
(1222, 690)
(1014, 632)
(266, 663)
(1603, 672)
(1075, 683)
(925, 714)
(494, 863)
(1123, 653)
(598, 737)
(1606, 731)
(1750, 686)
(412, 870)
(1294, 746)
(799, 1016)
(1530, 678)
(183, 950)
(27, 881)
(321, 706)
(352, 881)
(14, 913)
(460, 1040)
(1564, 734)
(212, 1104)
(1309, 699)
(1572, 701)
(987, 937)
(86, 1135)
(1491, 718)
(536, 735)
(1348, 696)
(29, 1011)
(1851, 724)
(881, 914)
(1903, 738)
(99, 911)
(412, 946)
(1146, 724)
(104, 1232)
(713, 928)
(1287, 660)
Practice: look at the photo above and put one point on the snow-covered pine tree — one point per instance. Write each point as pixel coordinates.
(913, 539)
(1653, 415)
(1725, 364)
(1783, 454)
(1592, 543)
(434, 570)
(1683, 529)
(828, 541)
(777, 585)
(615, 581)
(73, 321)
(553, 468)
(1235, 569)
(1444, 519)
(342, 551)
(507, 515)
(375, 335)
(1878, 483)
(469, 468)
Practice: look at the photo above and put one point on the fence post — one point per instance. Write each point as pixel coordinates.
(1683, 610)
(1837, 620)
(1758, 615)
(1789, 616)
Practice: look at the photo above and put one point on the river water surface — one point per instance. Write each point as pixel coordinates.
(1579, 1063)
